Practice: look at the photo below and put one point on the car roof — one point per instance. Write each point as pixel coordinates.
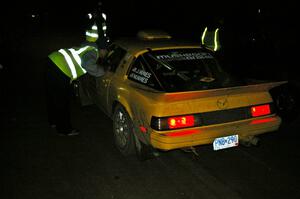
(135, 45)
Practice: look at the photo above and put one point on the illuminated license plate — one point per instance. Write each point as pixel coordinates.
(226, 142)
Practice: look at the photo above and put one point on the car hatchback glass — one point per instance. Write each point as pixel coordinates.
(186, 69)
(169, 67)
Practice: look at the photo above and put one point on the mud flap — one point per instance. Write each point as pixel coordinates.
(249, 141)
(143, 151)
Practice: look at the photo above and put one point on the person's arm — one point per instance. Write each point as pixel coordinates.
(89, 63)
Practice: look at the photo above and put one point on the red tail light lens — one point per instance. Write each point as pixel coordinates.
(182, 133)
(265, 120)
(181, 122)
(260, 110)
(175, 122)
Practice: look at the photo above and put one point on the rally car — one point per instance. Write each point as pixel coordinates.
(165, 94)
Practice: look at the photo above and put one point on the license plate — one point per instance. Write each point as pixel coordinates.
(226, 142)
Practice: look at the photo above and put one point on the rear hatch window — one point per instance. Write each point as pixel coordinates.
(180, 70)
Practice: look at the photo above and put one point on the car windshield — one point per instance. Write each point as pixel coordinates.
(187, 70)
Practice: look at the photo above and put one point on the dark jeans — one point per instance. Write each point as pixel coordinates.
(58, 96)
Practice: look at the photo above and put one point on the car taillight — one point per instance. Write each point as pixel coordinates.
(260, 110)
(181, 122)
(175, 122)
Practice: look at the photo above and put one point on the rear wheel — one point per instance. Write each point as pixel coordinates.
(125, 139)
(123, 131)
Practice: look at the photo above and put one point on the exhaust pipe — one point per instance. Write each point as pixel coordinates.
(249, 141)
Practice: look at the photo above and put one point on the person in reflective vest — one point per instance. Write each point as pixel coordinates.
(210, 39)
(97, 25)
(69, 61)
(65, 66)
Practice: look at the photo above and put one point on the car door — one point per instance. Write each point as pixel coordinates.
(105, 84)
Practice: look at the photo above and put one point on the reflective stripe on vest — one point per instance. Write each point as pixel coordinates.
(92, 34)
(211, 39)
(72, 61)
(69, 62)
(104, 16)
(93, 31)
(94, 27)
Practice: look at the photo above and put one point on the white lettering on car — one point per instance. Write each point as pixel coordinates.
(140, 75)
(138, 78)
(185, 56)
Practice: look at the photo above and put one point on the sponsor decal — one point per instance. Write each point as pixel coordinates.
(176, 56)
(140, 75)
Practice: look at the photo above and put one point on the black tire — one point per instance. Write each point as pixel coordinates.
(123, 131)
(286, 102)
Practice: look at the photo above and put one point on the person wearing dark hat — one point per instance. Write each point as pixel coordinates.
(65, 66)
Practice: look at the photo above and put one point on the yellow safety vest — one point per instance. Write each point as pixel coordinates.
(210, 39)
(69, 60)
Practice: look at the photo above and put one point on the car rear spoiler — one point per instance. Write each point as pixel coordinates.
(259, 87)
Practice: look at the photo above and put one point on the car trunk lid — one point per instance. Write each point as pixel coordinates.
(212, 100)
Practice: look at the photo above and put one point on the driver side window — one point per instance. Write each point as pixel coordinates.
(114, 57)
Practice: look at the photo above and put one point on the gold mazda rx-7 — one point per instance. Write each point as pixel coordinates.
(164, 94)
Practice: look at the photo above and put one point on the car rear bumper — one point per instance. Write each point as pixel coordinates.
(167, 140)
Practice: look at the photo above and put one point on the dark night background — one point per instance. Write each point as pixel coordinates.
(254, 33)
(259, 39)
